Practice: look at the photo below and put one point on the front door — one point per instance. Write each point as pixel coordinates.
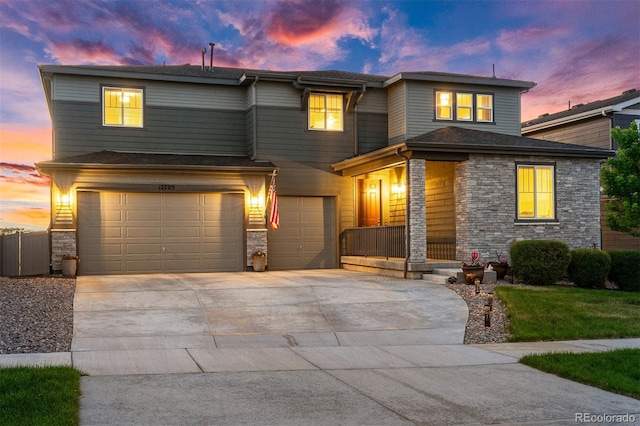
(369, 203)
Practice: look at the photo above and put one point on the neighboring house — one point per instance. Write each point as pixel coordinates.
(167, 169)
(591, 125)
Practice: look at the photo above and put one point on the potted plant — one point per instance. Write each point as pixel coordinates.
(473, 269)
(500, 265)
(69, 265)
(259, 260)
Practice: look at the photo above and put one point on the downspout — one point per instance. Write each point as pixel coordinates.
(254, 131)
(407, 234)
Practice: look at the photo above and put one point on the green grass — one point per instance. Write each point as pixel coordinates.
(39, 396)
(566, 313)
(615, 371)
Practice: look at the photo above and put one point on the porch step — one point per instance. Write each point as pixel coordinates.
(442, 275)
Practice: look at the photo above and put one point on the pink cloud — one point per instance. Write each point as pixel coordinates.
(292, 22)
(579, 78)
(531, 38)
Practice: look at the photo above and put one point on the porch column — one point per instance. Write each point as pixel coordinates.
(417, 220)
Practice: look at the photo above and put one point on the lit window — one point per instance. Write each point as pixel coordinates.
(121, 107)
(471, 107)
(444, 109)
(464, 106)
(536, 192)
(484, 107)
(325, 112)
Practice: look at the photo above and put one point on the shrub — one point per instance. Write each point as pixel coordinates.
(625, 269)
(539, 262)
(589, 267)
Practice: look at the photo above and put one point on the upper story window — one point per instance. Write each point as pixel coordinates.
(536, 192)
(122, 107)
(461, 106)
(325, 112)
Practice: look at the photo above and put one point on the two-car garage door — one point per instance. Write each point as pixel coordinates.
(129, 232)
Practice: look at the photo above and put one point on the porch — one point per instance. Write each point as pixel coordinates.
(382, 250)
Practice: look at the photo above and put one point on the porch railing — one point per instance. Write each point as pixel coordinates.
(385, 241)
(388, 241)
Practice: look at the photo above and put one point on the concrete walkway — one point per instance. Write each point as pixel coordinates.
(304, 347)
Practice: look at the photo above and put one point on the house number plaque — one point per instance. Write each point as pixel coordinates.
(166, 187)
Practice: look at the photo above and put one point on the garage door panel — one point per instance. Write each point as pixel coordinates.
(129, 236)
(144, 216)
(143, 231)
(143, 199)
(185, 215)
(103, 250)
(183, 231)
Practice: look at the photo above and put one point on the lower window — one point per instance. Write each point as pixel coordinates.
(536, 191)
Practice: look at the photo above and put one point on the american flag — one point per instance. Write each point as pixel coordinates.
(274, 214)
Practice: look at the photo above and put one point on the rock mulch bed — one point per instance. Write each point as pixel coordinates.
(476, 331)
(36, 314)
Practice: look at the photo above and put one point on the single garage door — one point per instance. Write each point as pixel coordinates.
(123, 232)
(306, 238)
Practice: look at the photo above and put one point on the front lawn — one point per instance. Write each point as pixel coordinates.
(615, 371)
(39, 396)
(567, 313)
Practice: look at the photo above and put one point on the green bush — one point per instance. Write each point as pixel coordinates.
(539, 262)
(589, 268)
(625, 269)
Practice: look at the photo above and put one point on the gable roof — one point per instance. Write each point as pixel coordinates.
(582, 111)
(145, 161)
(456, 143)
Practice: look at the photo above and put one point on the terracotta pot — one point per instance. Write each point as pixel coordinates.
(473, 272)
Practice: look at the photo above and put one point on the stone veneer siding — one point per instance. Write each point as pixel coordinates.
(256, 240)
(417, 212)
(486, 205)
(62, 242)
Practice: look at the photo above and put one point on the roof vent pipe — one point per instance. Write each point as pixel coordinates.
(211, 57)
(204, 50)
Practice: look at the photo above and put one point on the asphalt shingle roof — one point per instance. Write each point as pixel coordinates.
(469, 140)
(581, 108)
(140, 159)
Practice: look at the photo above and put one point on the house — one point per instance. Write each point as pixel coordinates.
(590, 124)
(168, 169)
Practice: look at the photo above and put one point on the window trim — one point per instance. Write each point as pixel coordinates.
(142, 90)
(454, 106)
(324, 95)
(553, 166)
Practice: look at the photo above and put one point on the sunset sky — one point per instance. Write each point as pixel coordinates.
(578, 51)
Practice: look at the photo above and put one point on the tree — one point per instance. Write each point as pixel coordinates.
(621, 182)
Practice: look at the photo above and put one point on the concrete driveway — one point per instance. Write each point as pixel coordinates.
(305, 347)
(262, 310)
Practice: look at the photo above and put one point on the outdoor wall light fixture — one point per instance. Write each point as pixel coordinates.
(64, 200)
(257, 201)
(398, 188)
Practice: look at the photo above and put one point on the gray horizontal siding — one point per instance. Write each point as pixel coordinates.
(195, 96)
(277, 94)
(374, 101)
(397, 112)
(594, 132)
(78, 130)
(372, 132)
(421, 103)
